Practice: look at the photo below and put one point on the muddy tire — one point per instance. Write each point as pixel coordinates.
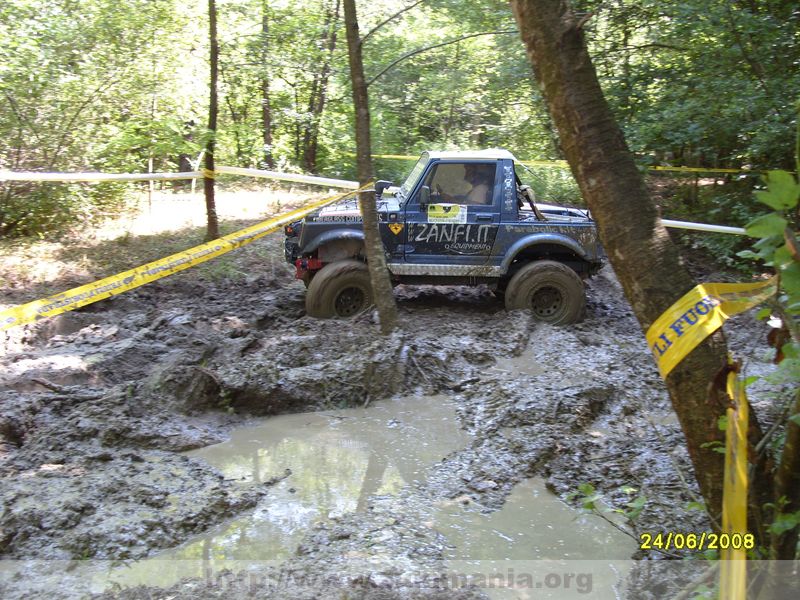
(307, 277)
(551, 290)
(341, 289)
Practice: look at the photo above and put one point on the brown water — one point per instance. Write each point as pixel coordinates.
(536, 546)
(337, 460)
(340, 458)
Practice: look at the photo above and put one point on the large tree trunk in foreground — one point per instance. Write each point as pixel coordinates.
(373, 247)
(212, 227)
(638, 247)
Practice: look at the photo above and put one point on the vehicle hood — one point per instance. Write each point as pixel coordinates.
(553, 212)
(348, 208)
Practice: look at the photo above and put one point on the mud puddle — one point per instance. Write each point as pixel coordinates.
(331, 463)
(334, 462)
(536, 546)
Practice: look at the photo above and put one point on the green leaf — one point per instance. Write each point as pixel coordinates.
(712, 444)
(795, 419)
(782, 256)
(782, 191)
(750, 380)
(785, 522)
(790, 278)
(695, 506)
(722, 423)
(764, 313)
(766, 226)
(791, 350)
(587, 489)
(636, 506)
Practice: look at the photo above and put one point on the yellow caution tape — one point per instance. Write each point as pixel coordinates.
(138, 276)
(702, 170)
(564, 164)
(209, 174)
(396, 156)
(698, 314)
(561, 164)
(733, 568)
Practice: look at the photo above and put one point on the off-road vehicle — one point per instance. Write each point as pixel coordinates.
(459, 218)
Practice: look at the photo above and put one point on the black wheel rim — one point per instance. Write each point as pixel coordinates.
(350, 301)
(547, 302)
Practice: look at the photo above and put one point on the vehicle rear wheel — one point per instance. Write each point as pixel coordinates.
(307, 277)
(550, 290)
(341, 289)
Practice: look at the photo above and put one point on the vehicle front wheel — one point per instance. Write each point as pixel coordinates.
(550, 290)
(341, 289)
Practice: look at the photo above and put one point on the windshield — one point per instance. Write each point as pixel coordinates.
(414, 176)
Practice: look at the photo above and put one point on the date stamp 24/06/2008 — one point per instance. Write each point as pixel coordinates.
(696, 541)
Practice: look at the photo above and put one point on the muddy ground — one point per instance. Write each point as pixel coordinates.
(97, 405)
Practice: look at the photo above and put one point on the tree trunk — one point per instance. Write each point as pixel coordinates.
(266, 108)
(373, 246)
(360, 98)
(638, 247)
(319, 92)
(376, 262)
(212, 227)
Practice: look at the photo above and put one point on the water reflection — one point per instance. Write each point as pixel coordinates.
(337, 459)
(529, 547)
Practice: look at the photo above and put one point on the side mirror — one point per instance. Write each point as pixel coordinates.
(380, 186)
(424, 196)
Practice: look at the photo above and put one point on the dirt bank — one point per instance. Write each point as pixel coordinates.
(96, 406)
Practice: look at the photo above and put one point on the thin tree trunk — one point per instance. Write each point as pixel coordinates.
(212, 227)
(266, 108)
(638, 247)
(319, 93)
(360, 98)
(373, 246)
(376, 262)
(454, 77)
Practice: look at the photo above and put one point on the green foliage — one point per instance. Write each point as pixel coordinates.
(777, 238)
(553, 185)
(785, 522)
(593, 502)
(777, 247)
(120, 86)
(715, 446)
(49, 208)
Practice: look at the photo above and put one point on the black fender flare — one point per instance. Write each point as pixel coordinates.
(330, 236)
(536, 239)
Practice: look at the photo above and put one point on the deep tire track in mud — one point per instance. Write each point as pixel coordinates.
(96, 405)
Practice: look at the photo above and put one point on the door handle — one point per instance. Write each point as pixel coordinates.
(483, 217)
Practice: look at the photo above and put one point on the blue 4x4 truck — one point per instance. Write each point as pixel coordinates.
(459, 218)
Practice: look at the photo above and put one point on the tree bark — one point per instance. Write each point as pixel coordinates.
(376, 262)
(212, 226)
(373, 246)
(638, 247)
(360, 98)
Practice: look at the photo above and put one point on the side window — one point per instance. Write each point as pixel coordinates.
(465, 183)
